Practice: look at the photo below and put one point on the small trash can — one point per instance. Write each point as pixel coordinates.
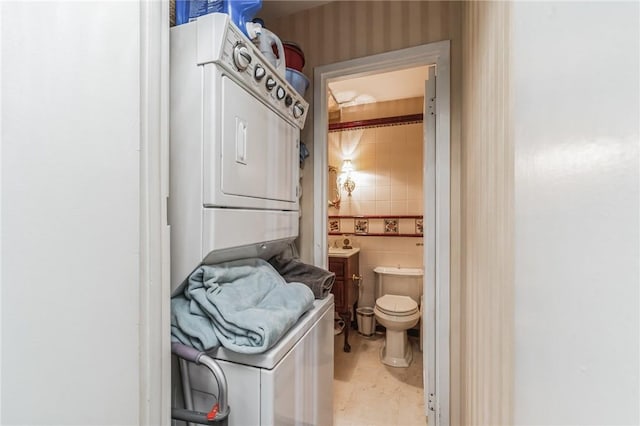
(366, 321)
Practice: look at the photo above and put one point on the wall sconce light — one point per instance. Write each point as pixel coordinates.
(347, 181)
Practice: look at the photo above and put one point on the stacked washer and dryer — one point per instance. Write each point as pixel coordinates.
(234, 158)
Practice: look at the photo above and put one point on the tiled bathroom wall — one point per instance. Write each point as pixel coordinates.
(388, 174)
(388, 169)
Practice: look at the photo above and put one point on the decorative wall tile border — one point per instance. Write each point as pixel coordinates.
(378, 226)
(361, 226)
(390, 226)
(376, 122)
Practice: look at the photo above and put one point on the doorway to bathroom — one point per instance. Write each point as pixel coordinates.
(381, 171)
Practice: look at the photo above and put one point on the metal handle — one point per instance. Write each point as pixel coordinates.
(217, 372)
(193, 355)
(186, 352)
(197, 417)
(356, 277)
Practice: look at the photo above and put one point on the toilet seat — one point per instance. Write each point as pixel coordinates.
(399, 306)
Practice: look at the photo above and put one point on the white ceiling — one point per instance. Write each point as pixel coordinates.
(388, 86)
(272, 9)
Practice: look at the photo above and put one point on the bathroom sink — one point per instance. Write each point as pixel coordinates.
(341, 252)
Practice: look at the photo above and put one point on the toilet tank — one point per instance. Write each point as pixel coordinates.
(399, 281)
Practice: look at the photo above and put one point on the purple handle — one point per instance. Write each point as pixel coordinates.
(186, 352)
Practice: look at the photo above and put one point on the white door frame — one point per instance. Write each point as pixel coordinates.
(154, 291)
(436, 187)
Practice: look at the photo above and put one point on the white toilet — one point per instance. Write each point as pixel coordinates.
(398, 292)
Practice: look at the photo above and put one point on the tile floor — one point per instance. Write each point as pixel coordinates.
(369, 393)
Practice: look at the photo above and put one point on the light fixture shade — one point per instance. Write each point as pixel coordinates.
(347, 166)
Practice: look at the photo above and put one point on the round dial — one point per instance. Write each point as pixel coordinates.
(241, 56)
(259, 72)
(298, 110)
(288, 100)
(280, 92)
(271, 83)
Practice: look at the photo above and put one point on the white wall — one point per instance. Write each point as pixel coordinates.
(70, 212)
(576, 94)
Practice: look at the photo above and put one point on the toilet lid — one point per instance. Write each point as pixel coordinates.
(397, 305)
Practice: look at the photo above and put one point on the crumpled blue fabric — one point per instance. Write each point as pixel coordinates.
(243, 305)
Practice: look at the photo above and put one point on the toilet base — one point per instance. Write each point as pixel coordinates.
(396, 351)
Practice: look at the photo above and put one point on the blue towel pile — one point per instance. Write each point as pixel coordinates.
(244, 305)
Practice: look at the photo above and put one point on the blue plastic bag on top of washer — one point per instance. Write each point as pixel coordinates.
(240, 11)
(189, 10)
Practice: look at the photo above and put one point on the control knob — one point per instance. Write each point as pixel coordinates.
(288, 100)
(280, 93)
(259, 72)
(298, 110)
(241, 56)
(271, 83)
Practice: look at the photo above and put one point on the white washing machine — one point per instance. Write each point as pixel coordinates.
(290, 384)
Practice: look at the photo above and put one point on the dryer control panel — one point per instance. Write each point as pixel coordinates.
(244, 62)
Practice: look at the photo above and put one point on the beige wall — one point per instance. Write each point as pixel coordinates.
(487, 220)
(346, 30)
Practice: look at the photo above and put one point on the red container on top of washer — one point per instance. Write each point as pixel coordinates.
(294, 56)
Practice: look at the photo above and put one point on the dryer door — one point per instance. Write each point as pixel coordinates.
(257, 164)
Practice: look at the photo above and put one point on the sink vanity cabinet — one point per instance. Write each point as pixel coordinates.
(345, 264)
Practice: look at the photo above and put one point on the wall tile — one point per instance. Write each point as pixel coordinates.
(399, 192)
(399, 207)
(383, 207)
(414, 131)
(387, 134)
(365, 160)
(414, 191)
(368, 136)
(376, 226)
(407, 226)
(346, 226)
(367, 207)
(361, 225)
(367, 193)
(383, 193)
(414, 207)
(364, 178)
(382, 176)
